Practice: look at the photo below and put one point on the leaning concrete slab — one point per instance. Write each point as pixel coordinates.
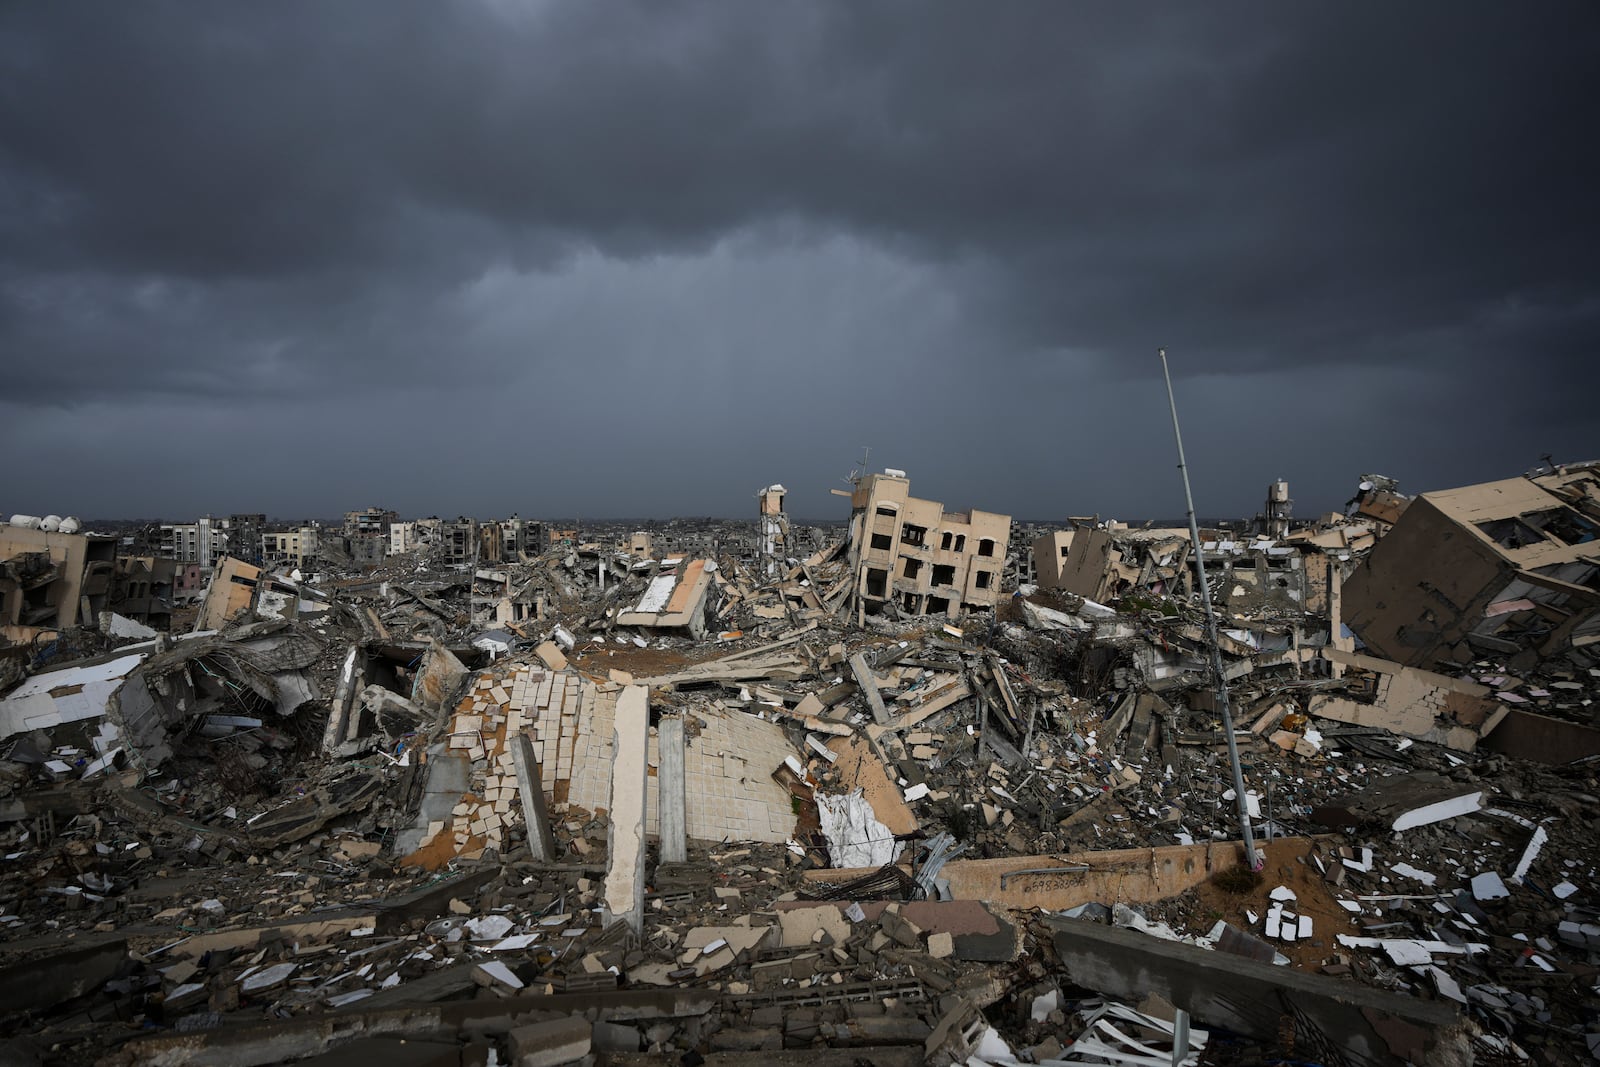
(44, 981)
(541, 842)
(1530, 736)
(1363, 1027)
(672, 789)
(441, 673)
(869, 687)
(339, 726)
(623, 894)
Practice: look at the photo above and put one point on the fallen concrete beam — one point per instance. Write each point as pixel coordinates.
(869, 688)
(1129, 875)
(1364, 1026)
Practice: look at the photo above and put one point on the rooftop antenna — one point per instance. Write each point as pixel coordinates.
(1253, 858)
(861, 469)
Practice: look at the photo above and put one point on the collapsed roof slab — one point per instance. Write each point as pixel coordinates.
(71, 694)
(674, 600)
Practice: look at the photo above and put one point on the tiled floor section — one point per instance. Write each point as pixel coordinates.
(571, 721)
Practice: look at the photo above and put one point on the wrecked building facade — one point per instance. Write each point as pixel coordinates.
(50, 579)
(773, 535)
(1509, 567)
(913, 554)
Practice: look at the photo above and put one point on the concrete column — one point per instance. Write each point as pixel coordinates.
(339, 727)
(622, 897)
(672, 791)
(1336, 615)
(541, 842)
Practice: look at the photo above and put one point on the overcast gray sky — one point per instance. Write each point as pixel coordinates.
(634, 259)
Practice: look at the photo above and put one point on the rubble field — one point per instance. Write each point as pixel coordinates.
(600, 807)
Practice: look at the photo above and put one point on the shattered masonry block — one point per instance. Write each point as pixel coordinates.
(551, 1043)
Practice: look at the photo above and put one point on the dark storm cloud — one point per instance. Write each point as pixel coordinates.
(957, 233)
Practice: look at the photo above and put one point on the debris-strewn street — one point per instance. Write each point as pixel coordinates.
(923, 787)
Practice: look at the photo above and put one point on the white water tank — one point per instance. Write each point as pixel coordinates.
(70, 524)
(29, 522)
(50, 523)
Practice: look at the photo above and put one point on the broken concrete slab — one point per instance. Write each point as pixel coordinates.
(1369, 1028)
(672, 801)
(623, 892)
(1403, 802)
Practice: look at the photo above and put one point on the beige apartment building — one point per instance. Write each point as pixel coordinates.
(289, 547)
(923, 559)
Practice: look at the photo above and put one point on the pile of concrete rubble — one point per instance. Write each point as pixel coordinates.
(595, 808)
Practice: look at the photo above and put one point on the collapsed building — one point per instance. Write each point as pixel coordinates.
(596, 805)
(52, 577)
(913, 555)
(1508, 568)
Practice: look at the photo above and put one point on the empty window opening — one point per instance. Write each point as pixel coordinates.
(913, 568)
(944, 575)
(1511, 533)
(877, 582)
(983, 579)
(914, 535)
(961, 542)
(986, 547)
(882, 541)
(944, 541)
(887, 513)
(1564, 525)
(938, 605)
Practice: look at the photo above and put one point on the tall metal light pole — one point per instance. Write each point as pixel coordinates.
(1251, 856)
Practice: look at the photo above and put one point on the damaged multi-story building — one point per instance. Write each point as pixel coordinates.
(913, 554)
(773, 537)
(1104, 562)
(295, 547)
(520, 539)
(244, 535)
(1509, 568)
(51, 576)
(371, 522)
(143, 589)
